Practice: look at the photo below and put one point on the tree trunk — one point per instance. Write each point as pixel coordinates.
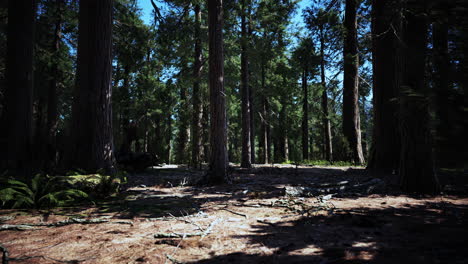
(19, 88)
(183, 135)
(91, 142)
(52, 111)
(127, 135)
(219, 157)
(351, 117)
(325, 120)
(441, 79)
(263, 146)
(196, 101)
(245, 106)
(385, 150)
(416, 160)
(305, 117)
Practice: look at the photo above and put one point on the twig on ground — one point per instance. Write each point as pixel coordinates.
(233, 212)
(180, 235)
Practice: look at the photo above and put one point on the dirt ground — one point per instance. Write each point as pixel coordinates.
(250, 221)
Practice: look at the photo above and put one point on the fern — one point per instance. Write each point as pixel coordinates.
(42, 191)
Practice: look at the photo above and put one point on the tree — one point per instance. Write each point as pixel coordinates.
(351, 120)
(245, 91)
(219, 157)
(18, 99)
(416, 168)
(305, 58)
(91, 140)
(196, 100)
(385, 150)
(323, 24)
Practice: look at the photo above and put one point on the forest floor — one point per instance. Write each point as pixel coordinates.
(252, 221)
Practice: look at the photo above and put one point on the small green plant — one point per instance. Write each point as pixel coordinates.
(42, 191)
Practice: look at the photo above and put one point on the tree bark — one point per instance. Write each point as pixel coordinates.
(196, 101)
(325, 120)
(385, 150)
(245, 104)
(351, 117)
(263, 146)
(305, 117)
(52, 111)
(219, 157)
(183, 135)
(416, 159)
(441, 81)
(19, 88)
(91, 141)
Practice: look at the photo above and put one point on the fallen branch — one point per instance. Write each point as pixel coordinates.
(233, 212)
(195, 234)
(70, 221)
(169, 257)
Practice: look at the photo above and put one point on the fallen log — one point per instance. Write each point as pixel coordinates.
(330, 188)
(70, 221)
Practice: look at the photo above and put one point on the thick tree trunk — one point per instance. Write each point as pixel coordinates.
(351, 117)
(245, 104)
(17, 142)
(196, 100)
(325, 120)
(305, 117)
(416, 161)
(91, 142)
(385, 150)
(219, 157)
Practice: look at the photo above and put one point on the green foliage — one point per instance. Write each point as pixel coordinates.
(42, 191)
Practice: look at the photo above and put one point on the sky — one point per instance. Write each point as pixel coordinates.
(147, 9)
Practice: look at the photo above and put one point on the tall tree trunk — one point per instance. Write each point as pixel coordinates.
(351, 117)
(91, 142)
(326, 119)
(263, 146)
(196, 101)
(305, 117)
(168, 139)
(251, 96)
(127, 135)
(206, 132)
(245, 106)
(52, 111)
(416, 160)
(441, 79)
(19, 89)
(183, 135)
(385, 150)
(219, 157)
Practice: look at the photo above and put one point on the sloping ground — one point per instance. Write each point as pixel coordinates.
(250, 221)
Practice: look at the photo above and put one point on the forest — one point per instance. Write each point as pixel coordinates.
(241, 131)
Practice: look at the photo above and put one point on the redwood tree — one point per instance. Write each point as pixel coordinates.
(219, 157)
(385, 149)
(416, 158)
(351, 120)
(17, 126)
(91, 142)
